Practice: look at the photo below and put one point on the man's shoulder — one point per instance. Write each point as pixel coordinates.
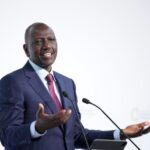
(14, 74)
(60, 75)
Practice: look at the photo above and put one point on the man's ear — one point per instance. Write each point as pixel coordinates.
(26, 50)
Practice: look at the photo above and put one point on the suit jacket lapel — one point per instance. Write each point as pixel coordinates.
(61, 87)
(37, 85)
(65, 102)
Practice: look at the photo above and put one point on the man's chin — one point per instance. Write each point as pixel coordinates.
(46, 66)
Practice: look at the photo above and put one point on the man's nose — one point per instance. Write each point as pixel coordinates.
(46, 44)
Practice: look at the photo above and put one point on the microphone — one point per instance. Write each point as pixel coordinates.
(86, 101)
(76, 113)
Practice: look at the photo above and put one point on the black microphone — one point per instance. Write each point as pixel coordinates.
(81, 126)
(88, 102)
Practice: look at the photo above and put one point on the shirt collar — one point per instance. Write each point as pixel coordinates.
(41, 71)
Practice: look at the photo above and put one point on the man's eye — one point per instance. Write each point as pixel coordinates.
(38, 42)
(51, 39)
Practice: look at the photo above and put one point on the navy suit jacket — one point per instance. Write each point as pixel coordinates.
(20, 93)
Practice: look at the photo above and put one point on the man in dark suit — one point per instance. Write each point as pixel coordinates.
(30, 116)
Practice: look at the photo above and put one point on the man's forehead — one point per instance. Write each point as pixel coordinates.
(41, 30)
(40, 27)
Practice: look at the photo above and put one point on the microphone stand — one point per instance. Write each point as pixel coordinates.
(81, 126)
(88, 102)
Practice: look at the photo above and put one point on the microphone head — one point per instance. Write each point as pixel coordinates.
(85, 101)
(65, 94)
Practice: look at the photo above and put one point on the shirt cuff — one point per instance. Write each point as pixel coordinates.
(117, 134)
(34, 133)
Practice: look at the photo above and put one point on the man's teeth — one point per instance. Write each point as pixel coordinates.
(47, 54)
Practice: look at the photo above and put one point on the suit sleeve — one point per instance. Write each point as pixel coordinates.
(13, 130)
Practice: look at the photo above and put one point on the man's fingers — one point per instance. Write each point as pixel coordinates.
(66, 115)
(62, 116)
(143, 124)
(47, 121)
(40, 111)
(146, 130)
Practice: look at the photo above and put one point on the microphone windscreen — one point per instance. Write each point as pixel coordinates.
(65, 94)
(85, 101)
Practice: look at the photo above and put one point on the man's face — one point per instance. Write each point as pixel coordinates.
(41, 46)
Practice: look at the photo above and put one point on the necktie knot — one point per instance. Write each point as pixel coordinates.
(49, 78)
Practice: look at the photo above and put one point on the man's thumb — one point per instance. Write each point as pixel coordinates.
(40, 111)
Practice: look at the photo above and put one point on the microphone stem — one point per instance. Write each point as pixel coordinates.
(82, 128)
(115, 125)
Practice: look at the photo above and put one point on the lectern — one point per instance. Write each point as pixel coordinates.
(103, 144)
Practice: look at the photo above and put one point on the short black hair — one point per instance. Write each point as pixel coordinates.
(34, 25)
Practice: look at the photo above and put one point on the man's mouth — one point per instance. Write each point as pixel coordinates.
(47, 54)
